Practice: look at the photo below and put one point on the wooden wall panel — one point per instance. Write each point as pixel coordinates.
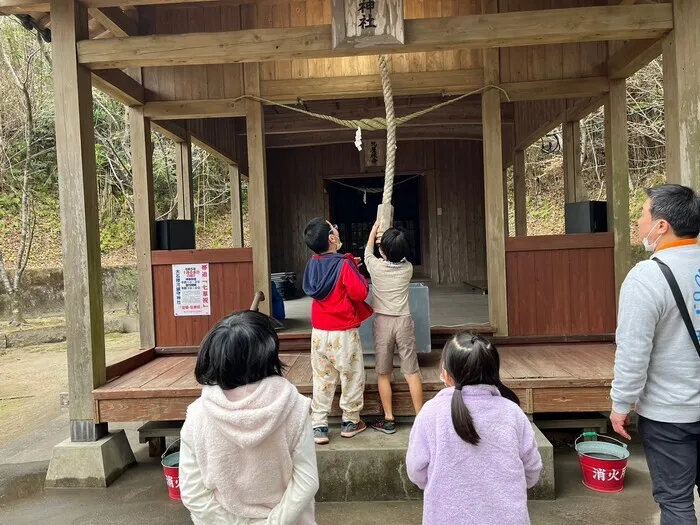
(454, 249)
(560, 285)
(531, 115)
(218, 132)
(551, 62)
(219, 81)
(231, 287)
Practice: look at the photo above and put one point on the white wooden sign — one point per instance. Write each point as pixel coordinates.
(367, 23)
(191, 289)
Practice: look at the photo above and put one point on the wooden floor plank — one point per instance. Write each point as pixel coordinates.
(142, 375)
(574, 377)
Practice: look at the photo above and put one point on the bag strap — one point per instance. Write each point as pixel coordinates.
(682, 308)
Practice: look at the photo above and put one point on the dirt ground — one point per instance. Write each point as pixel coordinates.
(32, 379)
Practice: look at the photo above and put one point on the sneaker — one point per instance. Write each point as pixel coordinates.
(321, 435)
(388, 426)
(349, 429)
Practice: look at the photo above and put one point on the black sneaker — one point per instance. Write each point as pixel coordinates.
(349, 429)
(388, 426)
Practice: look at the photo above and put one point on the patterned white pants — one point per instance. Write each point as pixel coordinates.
(337, 356)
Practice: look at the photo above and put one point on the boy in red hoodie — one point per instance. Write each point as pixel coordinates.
(339, 291)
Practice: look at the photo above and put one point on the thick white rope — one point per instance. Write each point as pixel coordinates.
(390, 131)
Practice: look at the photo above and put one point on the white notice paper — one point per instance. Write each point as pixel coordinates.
(191, 289)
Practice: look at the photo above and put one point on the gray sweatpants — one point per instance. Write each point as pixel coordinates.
(673, 455)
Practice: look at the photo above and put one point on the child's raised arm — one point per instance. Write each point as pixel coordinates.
(354, 283)
(370, 259)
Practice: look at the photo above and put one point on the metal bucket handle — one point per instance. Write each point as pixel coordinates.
(162, 457)
(597, 436)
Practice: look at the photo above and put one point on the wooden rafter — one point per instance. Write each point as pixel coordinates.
(632, 57)
(115, 21)
(119, 86)
(550, 26)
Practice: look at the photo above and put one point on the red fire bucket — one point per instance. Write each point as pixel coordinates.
(603, 463)
(171, 469)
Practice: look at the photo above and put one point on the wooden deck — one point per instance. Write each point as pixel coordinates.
(547, 378)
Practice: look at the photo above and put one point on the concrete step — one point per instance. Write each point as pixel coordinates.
(372, 467)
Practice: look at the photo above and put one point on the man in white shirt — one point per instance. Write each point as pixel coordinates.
(657, 365)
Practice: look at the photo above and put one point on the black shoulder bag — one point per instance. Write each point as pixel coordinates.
(682, 308)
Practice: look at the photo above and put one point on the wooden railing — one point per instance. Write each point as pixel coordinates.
(230, 285)
(561, 285)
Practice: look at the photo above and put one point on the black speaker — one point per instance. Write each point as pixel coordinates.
(175, 235)
(586, 217)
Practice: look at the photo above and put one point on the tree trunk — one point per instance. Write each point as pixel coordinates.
(16, 307)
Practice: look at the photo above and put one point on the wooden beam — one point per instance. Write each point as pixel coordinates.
(170, 129)
(493, 187)
(183, 172)
(556, 89)
(116, 21)
(144, 219)
(347, 136)
(520, 192)
(257, 188)
(119, 86)
(584, 107)
(77, 181)
(194, 109)
(236, 207)
(26, 6)
(617, 177)
(441, 82)
(545, 128)
(574, 189)
(548, 26)
(633, 56)
(212, 150)
(682, 96)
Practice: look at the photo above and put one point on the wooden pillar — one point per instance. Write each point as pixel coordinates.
(144, 218)
(82, 271)
(617, 176)
(574, 189)
(183, 171)
(257, 187)
(520, 192)
(236, 206)
(682, 95)
(493, 189)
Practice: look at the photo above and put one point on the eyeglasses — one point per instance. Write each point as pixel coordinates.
(334, 227)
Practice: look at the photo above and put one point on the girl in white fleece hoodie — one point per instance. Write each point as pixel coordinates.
(247, 453)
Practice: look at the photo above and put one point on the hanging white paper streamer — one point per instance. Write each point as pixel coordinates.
(358, 139)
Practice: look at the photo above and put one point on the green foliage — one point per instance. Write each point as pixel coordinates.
(116, 233)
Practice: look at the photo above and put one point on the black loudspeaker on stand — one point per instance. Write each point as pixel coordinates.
(586, 217)
(175, 235)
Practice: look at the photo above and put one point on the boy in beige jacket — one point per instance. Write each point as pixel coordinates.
(393, 325)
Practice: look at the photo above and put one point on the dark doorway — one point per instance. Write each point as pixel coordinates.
(353, 207)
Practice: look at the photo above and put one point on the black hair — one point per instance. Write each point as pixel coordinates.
(395, 245)
(316, 235)
(472, 360)
(241, 349)
(679, 206)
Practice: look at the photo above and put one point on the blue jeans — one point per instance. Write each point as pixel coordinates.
(673, 455)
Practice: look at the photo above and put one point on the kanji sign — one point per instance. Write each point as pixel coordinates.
(367, 23)
(191, 294)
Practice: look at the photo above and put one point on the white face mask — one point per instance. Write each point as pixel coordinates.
(648, 245)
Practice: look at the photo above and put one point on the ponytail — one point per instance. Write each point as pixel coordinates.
(462, 419)
(507, 393)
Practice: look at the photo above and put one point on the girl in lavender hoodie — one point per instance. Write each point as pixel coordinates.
(247, 452)
(472, 449)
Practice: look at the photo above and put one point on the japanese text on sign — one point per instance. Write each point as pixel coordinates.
(191, 289)
(367, 19)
